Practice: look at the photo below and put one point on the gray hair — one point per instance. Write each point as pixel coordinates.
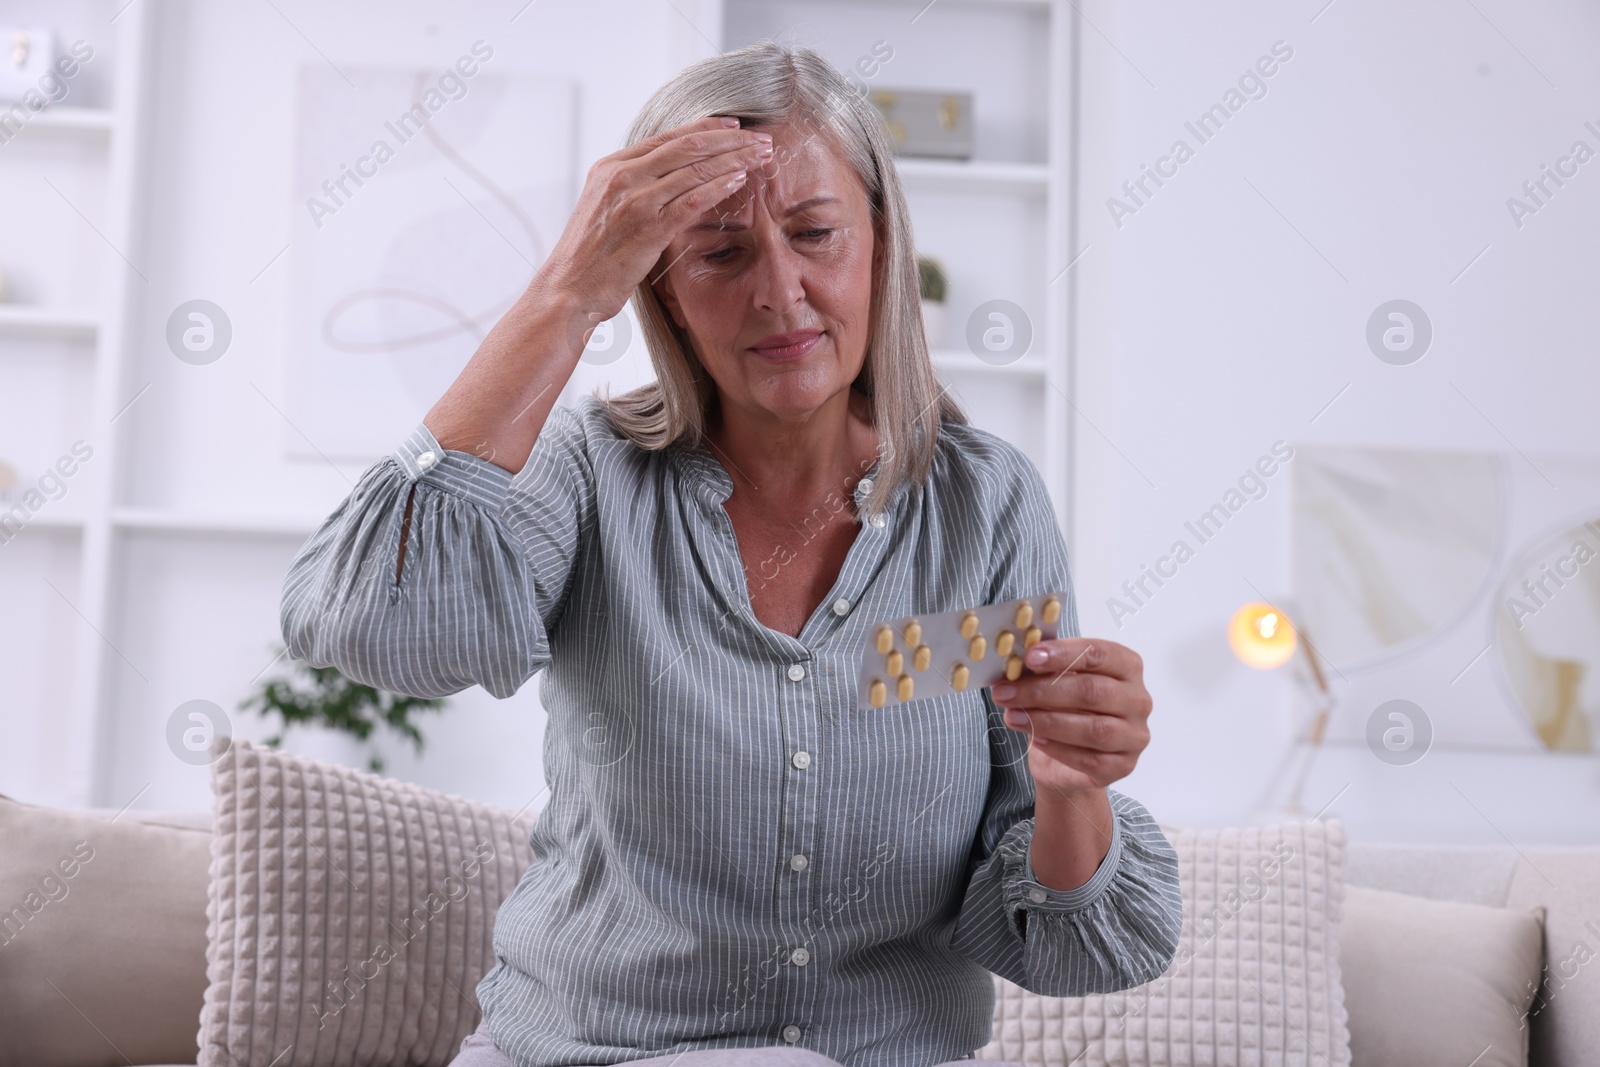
(767, 84)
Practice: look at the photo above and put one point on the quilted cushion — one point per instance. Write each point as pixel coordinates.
(1255, 981)
(349, 916)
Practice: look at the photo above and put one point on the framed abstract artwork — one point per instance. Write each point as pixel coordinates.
(424, 200)
(1466, 582)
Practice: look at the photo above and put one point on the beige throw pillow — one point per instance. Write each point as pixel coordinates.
(1255, 980)
(350, 916)
(102, 938)
(1436, 983)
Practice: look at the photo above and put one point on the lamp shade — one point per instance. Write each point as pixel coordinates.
(1261, 636)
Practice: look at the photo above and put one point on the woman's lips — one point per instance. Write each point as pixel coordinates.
(783, 347)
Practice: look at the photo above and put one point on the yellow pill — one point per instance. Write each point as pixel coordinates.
(1002, 644)
(923, 657)
(969, 624)
(1052, 610)
(958, 677)
(877, 692)
(1024, 613)
(885, 640)
(895, 663)
(1014, 668)
(1032, 637)
(904, 688)
(913, 632)
(976, 649)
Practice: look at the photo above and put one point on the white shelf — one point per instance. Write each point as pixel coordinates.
(180, 522)
(44, 520)
(92, 120)
(1032, 179)
(170, 521)
(917, 4)
(967, 363)
(164, 521)
(23, 319)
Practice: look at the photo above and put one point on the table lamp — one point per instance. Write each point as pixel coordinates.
(1263, 637)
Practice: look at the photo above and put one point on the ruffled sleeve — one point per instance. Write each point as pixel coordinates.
(1120, 928)
(475, 602)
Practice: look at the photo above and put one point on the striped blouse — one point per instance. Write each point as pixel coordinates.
(732, 853)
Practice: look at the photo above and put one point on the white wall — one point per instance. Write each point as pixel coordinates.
(1209, 328)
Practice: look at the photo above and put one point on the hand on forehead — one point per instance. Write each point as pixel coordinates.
(804, 168)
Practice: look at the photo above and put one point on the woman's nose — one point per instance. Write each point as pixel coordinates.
(779, 277)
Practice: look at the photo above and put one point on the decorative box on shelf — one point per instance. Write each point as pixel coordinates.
(922, 123)
(26, 62)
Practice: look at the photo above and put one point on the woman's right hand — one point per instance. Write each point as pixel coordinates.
(635, 201)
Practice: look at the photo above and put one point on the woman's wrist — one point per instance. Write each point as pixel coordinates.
(1071, 836)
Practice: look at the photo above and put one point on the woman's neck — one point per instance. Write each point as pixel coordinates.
(775, 460)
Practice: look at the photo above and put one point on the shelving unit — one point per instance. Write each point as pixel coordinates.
(101, 334)
(1018, 57)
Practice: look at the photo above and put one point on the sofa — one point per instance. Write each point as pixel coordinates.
(122, 929)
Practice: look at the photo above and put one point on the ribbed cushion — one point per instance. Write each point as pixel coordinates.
(1255, 981)
(349, 917)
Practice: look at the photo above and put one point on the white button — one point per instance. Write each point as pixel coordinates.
(797, 671)
(799, 862)
(841, 606)
(801, 760)
(1037, 895)
(791, 1033)
(865, 485)
(427, 459)
(800, 957)
(878, 520)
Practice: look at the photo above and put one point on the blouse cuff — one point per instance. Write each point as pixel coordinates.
(1024, 889)
(461, 473)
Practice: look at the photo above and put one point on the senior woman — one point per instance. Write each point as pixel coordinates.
(736, 864)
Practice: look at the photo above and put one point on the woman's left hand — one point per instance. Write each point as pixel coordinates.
(1084, 706)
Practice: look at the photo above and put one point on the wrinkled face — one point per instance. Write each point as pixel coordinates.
(774, 284)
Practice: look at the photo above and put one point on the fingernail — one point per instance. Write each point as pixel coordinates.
(767, 137)
(1037, 655)
(1018, 719)
(729, 120)
(1003, 691)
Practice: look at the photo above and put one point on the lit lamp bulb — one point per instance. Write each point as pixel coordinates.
(1261, 636)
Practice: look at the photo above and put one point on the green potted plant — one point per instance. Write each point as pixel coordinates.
(302, 695)
(932, 285)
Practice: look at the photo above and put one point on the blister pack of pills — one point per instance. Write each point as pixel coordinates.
(952, 651)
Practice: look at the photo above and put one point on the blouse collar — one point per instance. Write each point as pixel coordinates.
(712, 483)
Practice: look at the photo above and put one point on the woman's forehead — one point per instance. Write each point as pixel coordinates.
(805, 174)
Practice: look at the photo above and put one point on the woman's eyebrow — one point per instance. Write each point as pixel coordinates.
(729, 225)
